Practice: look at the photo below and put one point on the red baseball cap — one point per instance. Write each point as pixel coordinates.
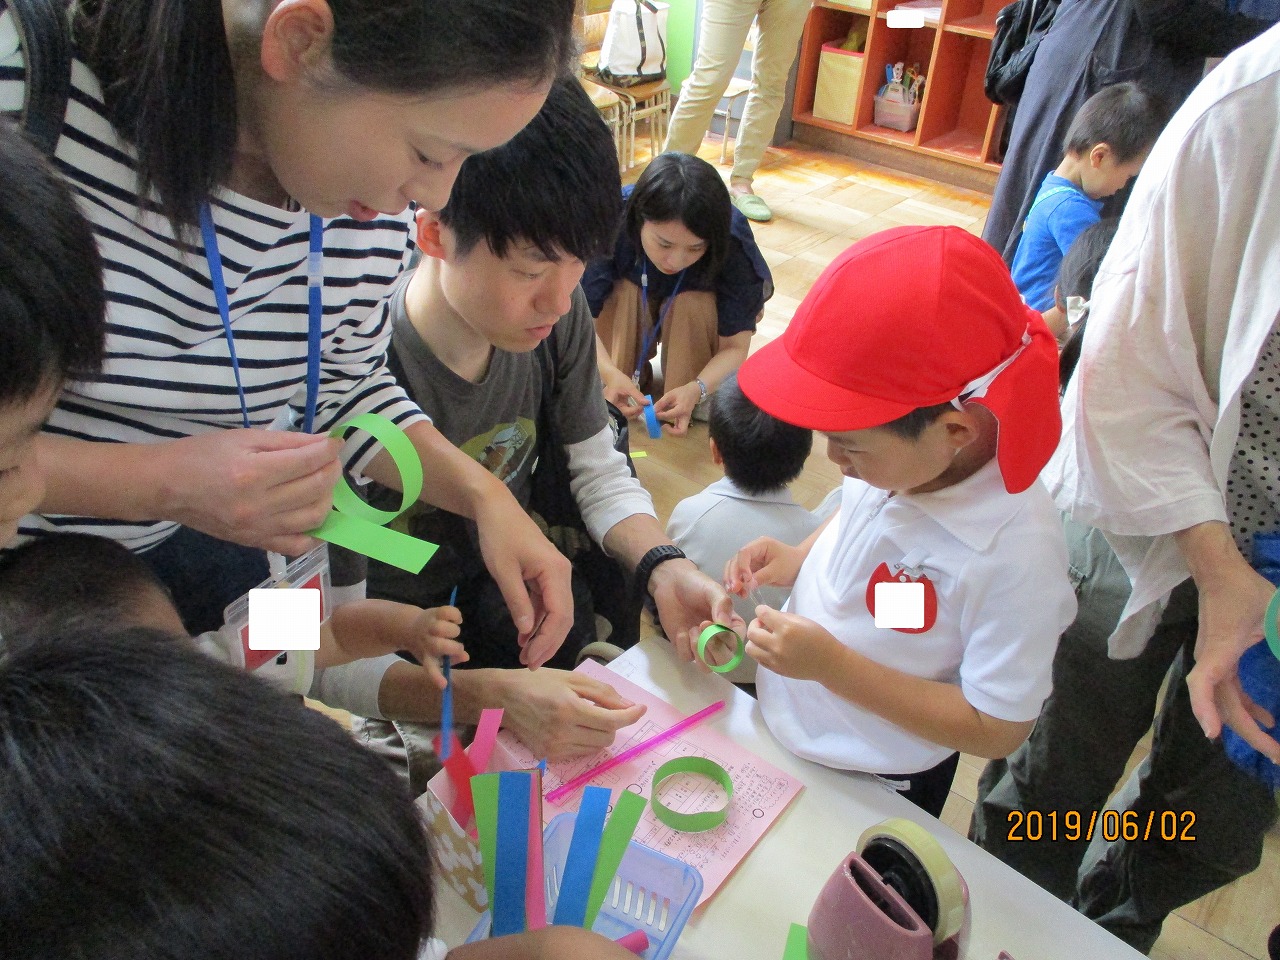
(908, 318)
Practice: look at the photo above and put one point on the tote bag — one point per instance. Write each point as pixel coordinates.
(635, 43)
(1019, 29)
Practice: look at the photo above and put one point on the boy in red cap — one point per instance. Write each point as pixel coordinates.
(924, 615)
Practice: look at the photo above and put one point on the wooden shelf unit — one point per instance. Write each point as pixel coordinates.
(957, 122)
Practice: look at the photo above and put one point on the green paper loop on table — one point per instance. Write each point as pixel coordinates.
(356, 525)
(691, 822)
(714, 630)
(1269, 629)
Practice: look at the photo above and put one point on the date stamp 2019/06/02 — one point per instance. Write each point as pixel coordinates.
(1130, 825)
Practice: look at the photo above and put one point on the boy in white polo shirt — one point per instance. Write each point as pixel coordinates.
(937, 391)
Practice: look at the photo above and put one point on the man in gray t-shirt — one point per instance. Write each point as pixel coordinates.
(495, 420)
(497, 288)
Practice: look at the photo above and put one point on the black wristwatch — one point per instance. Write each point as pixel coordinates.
(649, 562)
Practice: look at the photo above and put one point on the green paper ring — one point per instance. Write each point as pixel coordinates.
(402, 453)
(715, 629)
(691, 822)
(1269, 625)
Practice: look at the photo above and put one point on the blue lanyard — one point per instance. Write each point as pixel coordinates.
(315, 307)
(650, 340)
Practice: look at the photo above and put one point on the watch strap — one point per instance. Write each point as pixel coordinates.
(650, 562)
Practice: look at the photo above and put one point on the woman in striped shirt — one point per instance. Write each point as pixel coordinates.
(204, 140)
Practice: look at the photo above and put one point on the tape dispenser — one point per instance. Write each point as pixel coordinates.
(896, 897)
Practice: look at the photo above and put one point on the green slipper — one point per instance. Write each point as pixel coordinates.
(753, 207)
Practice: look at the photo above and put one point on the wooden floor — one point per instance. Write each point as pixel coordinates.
(822, 203)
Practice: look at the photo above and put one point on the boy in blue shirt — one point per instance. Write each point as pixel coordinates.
(1105, 147)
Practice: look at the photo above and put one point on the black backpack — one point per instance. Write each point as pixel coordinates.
(45, 38)
(1019, 29)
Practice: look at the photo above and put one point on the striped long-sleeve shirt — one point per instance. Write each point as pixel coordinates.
(168, 371)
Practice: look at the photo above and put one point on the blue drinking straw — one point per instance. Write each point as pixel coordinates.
(446, 706)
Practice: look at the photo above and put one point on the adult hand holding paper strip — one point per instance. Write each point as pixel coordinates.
(356, 525)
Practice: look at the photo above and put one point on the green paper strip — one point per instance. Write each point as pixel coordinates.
(691, 822)
(484, 791)
(407, 462)
(389, 546)
(714, 630)
(358, 526)
(797, 943)
(1269, 629)
(613, 847)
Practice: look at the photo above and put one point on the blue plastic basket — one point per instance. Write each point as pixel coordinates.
(651, 892)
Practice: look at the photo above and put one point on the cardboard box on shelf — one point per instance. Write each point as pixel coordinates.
(835, 96)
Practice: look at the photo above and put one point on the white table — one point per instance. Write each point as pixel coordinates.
(779, 880)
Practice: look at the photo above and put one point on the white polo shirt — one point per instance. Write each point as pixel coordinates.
(998, 563)
(712, 526)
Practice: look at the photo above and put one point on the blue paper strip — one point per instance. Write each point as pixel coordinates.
(513, 852)
(584, 851)
(651, 419)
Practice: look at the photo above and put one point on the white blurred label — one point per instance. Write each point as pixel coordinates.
(284, 619)
(904, 20)
(900, 606)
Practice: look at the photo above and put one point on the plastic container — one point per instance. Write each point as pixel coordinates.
(651, 892)
(896, 116)
(835, 95)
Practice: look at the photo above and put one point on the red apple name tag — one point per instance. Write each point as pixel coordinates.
(907, 603)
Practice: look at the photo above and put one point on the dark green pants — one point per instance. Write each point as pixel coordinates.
(1099, 709)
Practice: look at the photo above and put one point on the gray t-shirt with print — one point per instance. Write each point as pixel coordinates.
(493, 420)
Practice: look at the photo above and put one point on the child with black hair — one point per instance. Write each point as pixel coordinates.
(76, 579)
(924, 615)
(52, 326)
(72, 579)
(685, 275)
(1105, 147)
(159, 805)
(761, 456)
(1074, 290)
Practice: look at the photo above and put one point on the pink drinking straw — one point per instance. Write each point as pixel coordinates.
(562, 791)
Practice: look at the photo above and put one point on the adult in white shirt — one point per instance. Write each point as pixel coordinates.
(1168, 466)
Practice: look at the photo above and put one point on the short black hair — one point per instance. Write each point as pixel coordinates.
(761, 453)
(1076, 274)
(52, 305)
(159, 804)
(72, 578)
(1125, 116)
(911, 425)
(555, 184)
(1079, 267)
(680, 186)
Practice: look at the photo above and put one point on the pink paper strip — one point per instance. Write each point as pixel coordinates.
(535, 885)
(481, 748)
(637, 941)
(460, 771)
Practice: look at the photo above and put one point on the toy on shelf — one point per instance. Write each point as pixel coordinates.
(894, 90)
(855, 41)
(914, 82)
(897, 105)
